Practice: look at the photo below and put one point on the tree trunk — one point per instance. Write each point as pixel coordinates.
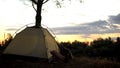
(38, 15)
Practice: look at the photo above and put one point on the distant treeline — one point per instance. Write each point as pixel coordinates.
(102, 48)
(5, 43)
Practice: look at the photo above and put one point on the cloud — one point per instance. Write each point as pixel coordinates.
(96, 27)
(87, 29)
(114, 19)
(11, 29)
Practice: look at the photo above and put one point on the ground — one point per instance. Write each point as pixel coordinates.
(77, 62)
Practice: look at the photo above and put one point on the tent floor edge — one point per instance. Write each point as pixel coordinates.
(23, 58)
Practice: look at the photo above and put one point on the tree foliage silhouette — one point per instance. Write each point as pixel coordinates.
(103, 48)
(5, 43)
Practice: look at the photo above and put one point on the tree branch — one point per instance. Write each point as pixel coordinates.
(33, 6)
(45, 1)
(34, 1)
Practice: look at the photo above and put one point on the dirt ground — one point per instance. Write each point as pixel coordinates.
(81, 62)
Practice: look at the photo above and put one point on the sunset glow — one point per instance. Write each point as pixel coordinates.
(71, 38)
(2, 31)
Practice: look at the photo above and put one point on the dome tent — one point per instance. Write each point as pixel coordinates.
(32, 42)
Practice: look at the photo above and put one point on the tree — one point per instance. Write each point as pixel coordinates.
(39, 4)
(6, 42)
(118, 41)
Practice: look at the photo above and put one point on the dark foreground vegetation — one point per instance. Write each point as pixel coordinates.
(81, 62)
(101, 53)
(100, 48)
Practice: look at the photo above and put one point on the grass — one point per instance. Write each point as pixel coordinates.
(85, 62)
(77, 62)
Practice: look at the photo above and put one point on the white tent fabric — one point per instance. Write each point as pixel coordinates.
(34, 42)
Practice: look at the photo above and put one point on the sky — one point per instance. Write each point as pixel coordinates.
(84, 21)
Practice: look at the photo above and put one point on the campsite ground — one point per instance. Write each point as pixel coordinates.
(79, 62)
